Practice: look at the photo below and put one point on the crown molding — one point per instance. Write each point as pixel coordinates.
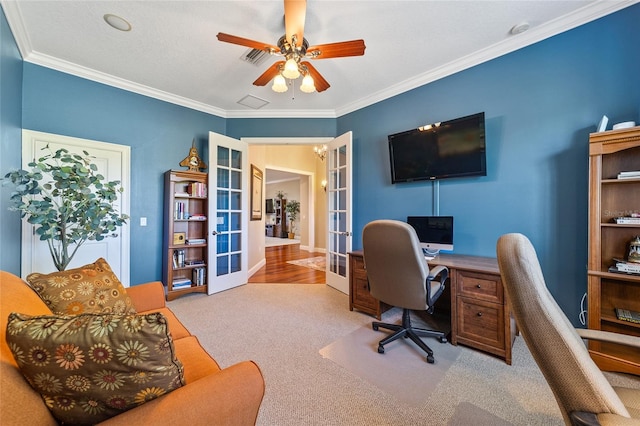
(593, 11)
(110, 80)
(16, 23)
(284, 113)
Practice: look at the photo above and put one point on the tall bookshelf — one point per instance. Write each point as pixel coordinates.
(611, 196)
(185, 233)
(281, 217)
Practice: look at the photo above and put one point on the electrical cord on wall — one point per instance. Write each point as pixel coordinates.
(583, 312)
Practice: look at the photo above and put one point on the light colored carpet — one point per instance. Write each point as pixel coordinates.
(466, 411)
(283, 327)
(317, 263)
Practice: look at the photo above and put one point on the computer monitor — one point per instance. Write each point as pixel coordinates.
(434, 232)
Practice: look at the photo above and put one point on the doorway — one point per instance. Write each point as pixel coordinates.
(292, 164)
(290, 260)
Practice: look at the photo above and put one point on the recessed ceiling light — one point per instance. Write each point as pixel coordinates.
(117, 22)
(520, 28)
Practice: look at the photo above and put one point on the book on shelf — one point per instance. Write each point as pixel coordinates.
(192, 241)
(627, 220)
(178, 258)
(634, 174)
(197, 189)
(179, 283)
(180, 211)
(621, 266)
(199, 276)
(197, 216)
(628, 315)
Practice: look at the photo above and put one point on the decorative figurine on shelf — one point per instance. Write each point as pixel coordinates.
(634, 250)
(193, 161)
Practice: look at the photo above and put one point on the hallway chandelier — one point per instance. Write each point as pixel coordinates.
(320, 151)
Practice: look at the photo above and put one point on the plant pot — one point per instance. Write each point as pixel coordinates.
(292, 235)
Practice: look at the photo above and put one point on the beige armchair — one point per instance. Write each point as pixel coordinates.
(399, 276)
(583, 393)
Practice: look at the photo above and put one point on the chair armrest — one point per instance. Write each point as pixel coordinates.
(583, 418)
(229, 397)
(147, 297)
(441, 270)
(608, 336)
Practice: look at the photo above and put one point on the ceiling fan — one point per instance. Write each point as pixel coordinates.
(294, 48)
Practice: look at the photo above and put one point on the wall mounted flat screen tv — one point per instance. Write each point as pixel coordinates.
(269, 208)
(449, 149)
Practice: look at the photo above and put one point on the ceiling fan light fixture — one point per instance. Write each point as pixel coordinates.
(291, 70)
(308, 85)
(279, 84)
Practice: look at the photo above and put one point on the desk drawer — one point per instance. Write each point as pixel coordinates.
(486, 287)
(481, 322)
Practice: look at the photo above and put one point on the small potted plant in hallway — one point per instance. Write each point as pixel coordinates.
(293, 210)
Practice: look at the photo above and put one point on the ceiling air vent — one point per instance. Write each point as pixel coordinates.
(255, 56)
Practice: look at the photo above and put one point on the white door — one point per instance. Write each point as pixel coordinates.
(228, 212)
(113, 162)
(339, 235)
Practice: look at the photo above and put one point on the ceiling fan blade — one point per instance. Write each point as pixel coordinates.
(318, 80)
(228, 38)
(268, 75)
(294, 15)
(336, 50)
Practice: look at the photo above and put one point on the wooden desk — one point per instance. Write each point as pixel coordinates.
(480, 315)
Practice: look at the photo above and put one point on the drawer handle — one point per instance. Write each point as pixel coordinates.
(479, 314)
(478, 285)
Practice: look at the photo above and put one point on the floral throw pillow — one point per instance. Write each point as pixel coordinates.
(92, 288)
(91, 367)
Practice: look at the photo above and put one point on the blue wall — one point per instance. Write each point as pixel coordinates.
(159, 134)
(281, 127)
(10, 142)
(541, 103)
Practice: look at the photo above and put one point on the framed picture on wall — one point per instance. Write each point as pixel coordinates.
(256, 193)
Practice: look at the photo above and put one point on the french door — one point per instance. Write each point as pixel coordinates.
(228, 213)
(339, 235)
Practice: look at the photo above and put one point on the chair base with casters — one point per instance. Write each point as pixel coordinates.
(407, 330)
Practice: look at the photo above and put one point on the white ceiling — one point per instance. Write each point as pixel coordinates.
(172, 52)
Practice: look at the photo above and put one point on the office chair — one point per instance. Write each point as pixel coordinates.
(583, 393)
(399, 276)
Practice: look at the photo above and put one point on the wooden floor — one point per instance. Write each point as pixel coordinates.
(277, 270)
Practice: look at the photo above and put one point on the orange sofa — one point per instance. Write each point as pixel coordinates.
(230, 396)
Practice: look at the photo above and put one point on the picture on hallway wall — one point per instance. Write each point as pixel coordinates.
(256, 193)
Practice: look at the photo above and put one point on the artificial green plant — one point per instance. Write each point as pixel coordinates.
(67, 200)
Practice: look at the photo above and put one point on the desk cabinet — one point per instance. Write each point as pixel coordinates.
(480, 315)
(359, 296)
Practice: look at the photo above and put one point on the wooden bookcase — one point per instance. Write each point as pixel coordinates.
(185, 233)
(609, 197)
(281, 218)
